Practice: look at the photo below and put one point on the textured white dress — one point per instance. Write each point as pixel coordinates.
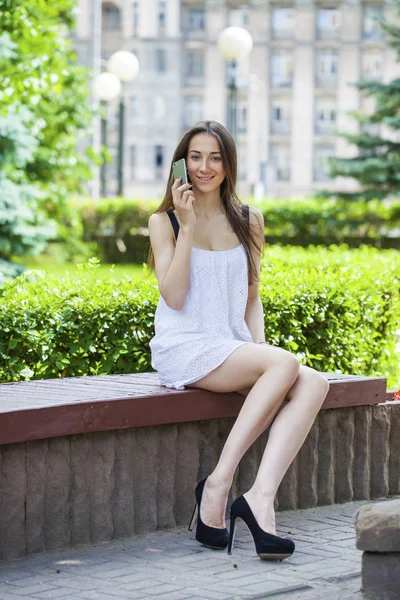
(189, 343)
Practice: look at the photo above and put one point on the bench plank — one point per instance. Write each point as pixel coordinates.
(33, 410)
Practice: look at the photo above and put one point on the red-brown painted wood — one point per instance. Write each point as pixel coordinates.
(32, 410)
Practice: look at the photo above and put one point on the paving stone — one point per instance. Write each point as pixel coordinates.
(29, 591)
(171, 565)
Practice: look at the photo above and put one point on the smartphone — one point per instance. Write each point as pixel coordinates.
(179, 170)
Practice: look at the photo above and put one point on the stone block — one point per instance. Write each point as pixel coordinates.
(12, 501)
(187, 464)
(102, 485)
(80, 501)
(378, 527)
(145, 479)
(344, 455)
(167, 435)
(362, 452)
(57, 493)
(381, 575)
(326, 456)
(380, 437)
(36, 459)
(308, 470)
(123, 492)
(394, 443)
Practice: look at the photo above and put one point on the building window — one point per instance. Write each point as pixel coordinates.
(160, 60)
(372, 65)
(327, 67)
(193, 110)
(196, 19)
(159, 161)
(325, 116)
(195, 63)
(111, 16)
(328, 23)
(281, 68)
(239, 16)
(282, 22)
(280, 159)
(280, 116)
(241, 116)
(372, 16)
(135, 13)
(322, 154)
(133, 107)
(162, 15)
(132, 162)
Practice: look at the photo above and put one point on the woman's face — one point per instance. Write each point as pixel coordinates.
(204, 162)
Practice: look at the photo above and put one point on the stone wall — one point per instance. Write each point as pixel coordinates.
(95, 487)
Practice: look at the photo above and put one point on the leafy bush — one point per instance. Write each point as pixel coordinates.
(336, 309)
(306, 217)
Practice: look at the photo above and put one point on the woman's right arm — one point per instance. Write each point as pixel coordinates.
(172, 263)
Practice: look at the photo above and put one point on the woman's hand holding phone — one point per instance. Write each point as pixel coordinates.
(184, 200)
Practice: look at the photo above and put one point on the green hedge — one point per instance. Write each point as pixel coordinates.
(336, 309)
(118, 227)
(302, 218)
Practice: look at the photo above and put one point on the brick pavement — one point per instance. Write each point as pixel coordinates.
(171, 565)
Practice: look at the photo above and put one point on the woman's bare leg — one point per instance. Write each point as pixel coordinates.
(288, 432)
(270, 372)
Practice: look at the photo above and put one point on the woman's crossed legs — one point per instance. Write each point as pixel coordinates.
(266, 375)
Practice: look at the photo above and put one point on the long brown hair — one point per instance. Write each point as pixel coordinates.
(230, 200)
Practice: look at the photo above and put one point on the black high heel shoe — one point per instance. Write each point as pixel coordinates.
(212, 537)
(268, 546)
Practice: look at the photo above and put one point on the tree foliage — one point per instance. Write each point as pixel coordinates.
(44, 113)
(377, 165)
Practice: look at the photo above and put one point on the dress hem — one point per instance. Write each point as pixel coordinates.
(180, 385)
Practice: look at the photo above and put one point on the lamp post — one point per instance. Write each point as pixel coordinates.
(234, 43)
(125, 66)
(106, 87)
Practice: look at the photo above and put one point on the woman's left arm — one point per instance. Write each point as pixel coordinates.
(254, 315)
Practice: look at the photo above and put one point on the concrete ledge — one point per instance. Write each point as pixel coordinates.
(94, 487)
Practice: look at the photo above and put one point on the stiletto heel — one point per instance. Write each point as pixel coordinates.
(212, 537)
(194, 517)
(268, 546)
(231, 535)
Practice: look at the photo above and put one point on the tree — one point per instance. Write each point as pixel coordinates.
(377, 166)
(44, 113)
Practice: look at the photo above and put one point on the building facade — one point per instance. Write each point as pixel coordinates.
(294, 89)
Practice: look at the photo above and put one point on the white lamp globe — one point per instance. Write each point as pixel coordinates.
(124, 65)
(234, 43)
(106, 86)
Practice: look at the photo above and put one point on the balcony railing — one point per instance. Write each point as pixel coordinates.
(326, 81)
(325, 127)
(281, 127)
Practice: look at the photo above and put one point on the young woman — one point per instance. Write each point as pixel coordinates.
(209, 334)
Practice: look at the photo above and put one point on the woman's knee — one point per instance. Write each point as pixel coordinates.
(288, 363)
(310, 380)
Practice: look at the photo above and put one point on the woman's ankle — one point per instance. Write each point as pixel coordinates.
(221, 481)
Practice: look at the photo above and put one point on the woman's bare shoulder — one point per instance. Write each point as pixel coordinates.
(256, 216)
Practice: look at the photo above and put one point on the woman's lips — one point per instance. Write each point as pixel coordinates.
(205, 180)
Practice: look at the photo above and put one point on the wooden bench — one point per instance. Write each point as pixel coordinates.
(49, 408)
(90, 459)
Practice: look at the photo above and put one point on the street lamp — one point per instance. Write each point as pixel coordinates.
(106, 87)
(234, 43)
(125, 66)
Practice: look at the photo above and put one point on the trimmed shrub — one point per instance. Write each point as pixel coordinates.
(336, 309)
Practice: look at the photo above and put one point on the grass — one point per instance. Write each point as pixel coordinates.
(71, 271)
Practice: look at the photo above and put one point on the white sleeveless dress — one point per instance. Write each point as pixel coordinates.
(191, 342)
